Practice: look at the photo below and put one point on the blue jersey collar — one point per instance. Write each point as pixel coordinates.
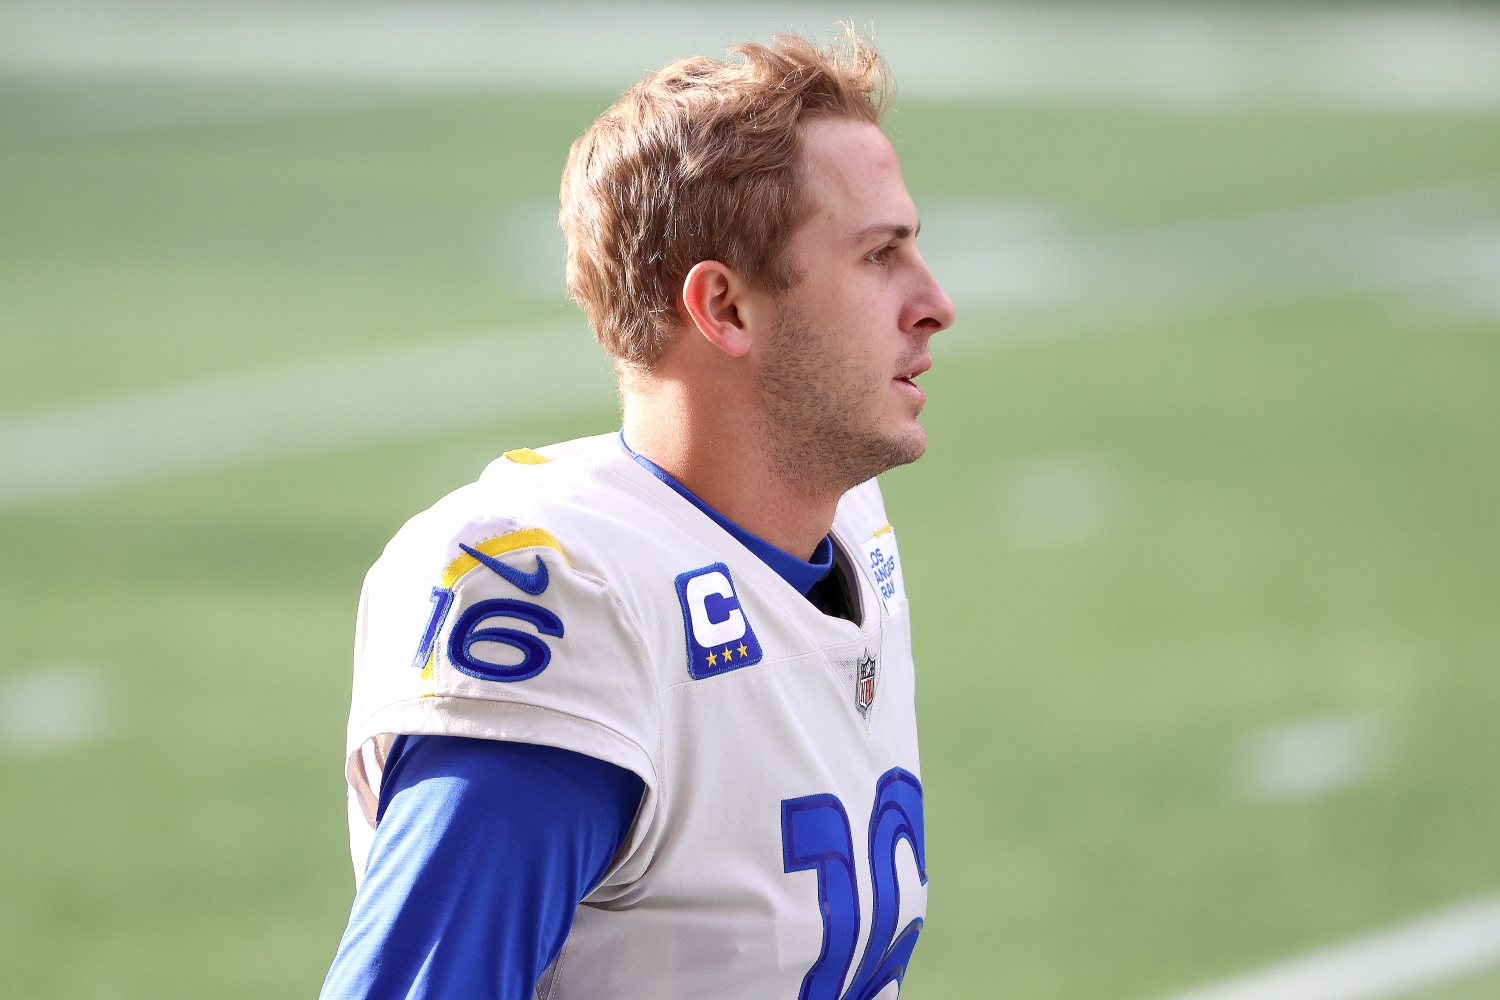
(800, 573)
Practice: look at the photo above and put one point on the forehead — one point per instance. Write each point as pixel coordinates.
(853, 177)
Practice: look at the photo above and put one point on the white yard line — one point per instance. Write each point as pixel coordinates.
(1424, 952)
(1284, 252)
(391, 395)
(1158, 56)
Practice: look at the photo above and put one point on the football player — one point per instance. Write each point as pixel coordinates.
(633, 715)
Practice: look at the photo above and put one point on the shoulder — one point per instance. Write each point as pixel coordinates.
(492, 615)
(608, 533)
(539, 536)
(542, 498)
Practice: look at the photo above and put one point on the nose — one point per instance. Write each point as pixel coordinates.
(929, 309)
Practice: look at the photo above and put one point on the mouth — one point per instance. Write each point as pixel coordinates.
(909, 376)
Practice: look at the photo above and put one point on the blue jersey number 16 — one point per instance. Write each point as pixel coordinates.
(815, 834)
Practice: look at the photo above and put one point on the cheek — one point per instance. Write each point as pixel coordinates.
(843, 288)
(847, 351)
(854, 339)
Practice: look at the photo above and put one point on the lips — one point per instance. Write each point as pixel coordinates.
(922, 364)
(908, 376)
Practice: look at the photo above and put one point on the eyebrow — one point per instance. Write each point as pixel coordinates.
(891, 230)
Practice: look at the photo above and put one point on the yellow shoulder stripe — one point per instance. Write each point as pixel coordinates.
(524, 539)
(525, 456)
(882, 530)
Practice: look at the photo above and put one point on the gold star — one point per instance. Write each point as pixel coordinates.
(728, 654)
(744, 652)
(713, 660)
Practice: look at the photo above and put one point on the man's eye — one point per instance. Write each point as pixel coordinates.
(882, 255)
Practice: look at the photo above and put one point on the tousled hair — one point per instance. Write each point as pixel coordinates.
(701, 161)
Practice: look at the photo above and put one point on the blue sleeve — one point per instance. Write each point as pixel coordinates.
(482, 853)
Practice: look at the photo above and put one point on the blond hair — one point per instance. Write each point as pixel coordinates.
(700, 161)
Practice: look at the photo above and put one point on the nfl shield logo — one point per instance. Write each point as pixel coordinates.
(864, 684)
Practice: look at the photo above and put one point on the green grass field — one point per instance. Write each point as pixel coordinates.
(1293, 515)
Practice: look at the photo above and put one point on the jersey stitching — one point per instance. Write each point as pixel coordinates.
(424, 703)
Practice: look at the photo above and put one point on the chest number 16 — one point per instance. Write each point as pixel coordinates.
(815, 834)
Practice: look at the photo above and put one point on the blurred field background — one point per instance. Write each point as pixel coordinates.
(1204, 558)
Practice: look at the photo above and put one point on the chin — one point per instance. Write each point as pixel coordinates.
(911, 444)
(901, 447)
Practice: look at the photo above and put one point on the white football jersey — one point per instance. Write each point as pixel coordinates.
(571, 598)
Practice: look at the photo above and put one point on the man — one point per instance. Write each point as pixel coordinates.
(633, 715)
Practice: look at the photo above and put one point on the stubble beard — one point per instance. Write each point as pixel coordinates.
(814, 405)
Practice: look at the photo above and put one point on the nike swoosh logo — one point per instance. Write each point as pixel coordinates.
(533, 583)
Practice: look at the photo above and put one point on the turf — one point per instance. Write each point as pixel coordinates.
(1302, 522)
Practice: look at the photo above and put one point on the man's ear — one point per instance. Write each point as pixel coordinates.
(714, 298)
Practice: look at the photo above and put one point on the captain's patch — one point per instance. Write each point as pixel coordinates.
(719, 636)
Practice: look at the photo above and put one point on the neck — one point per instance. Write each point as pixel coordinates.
(714, 443)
